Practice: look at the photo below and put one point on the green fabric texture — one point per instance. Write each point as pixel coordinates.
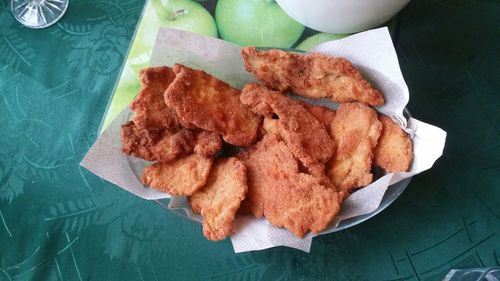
(60, 222)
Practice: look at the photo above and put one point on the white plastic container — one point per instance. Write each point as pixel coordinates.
(342, 16)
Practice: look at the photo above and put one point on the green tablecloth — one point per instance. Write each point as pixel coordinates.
(59, 222)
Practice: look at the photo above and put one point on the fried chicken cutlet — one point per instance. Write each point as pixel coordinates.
(394, 151)
(167, 145)
(286, 197)
(180, 177)
(150, 110)
(207, 143)
(306, 137)
(272, 126)
(301, 204)
(156, 132)
(266, 161)
(312, 75)
(355, 131)
(323, 114)
(212, 105)
(220, 198)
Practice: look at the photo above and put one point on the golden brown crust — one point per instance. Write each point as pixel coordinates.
(292, 175)
(355, 131)
(219, 200)
(265, 161)
(306, 137)
(394, 151)
(155, 144)
(201, 199)
(323, 114)
(207, 143)
(300, 203)
(179, 177)
(312, 75)
(166, 145)
(272, 67)
(150, 110)
(272, 126)
(139, 142)
(286, 197)
(212, 105)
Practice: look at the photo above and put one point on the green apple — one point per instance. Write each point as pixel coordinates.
(317, 39)
(125, 91)
(181, 14)
(260, 23)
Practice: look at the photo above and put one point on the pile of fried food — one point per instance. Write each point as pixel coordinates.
(286, 160)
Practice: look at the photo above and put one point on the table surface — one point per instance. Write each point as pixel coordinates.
(59, 222)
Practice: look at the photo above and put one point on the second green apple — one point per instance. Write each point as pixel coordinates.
(317, 39)
(260, 23)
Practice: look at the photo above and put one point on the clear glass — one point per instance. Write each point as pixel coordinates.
(177, 204)
(474, 274)
(38, 13)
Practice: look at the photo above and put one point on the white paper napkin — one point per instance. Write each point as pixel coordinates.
(373, 54)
